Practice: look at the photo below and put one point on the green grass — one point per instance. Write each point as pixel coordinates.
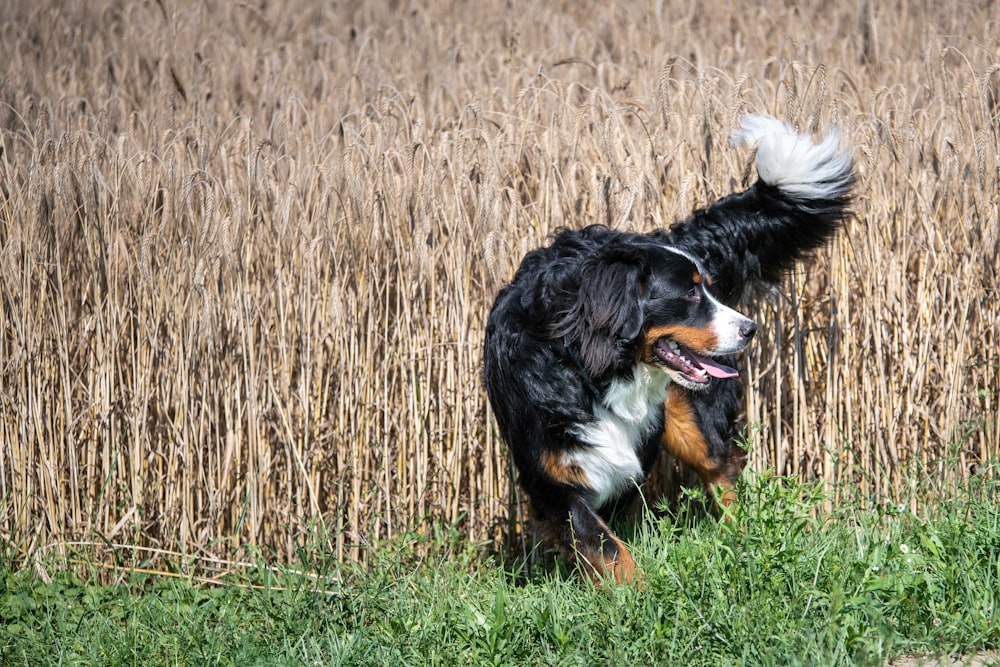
(783, 583)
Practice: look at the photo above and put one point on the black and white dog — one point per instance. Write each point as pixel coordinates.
(607, 345)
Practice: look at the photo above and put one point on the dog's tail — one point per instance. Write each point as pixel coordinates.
(746, 241)
(815, 175)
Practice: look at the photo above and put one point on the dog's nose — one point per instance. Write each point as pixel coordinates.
(748, 329)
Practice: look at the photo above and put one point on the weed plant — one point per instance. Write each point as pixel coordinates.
(783, 582)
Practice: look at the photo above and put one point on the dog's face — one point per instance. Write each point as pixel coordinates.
(641, 301)
(685, 325)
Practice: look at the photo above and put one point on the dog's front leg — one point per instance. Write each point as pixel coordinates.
(585, 538)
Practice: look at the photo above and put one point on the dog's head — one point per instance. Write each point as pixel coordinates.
(685, 325)
(644, 301)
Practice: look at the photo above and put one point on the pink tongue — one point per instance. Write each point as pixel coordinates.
(717, 370)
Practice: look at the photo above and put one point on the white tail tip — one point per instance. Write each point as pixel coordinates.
(794, 164)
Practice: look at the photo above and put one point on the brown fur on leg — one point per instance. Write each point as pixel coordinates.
(722, 484)
(585, 538)
(683, 438)
(612, 558)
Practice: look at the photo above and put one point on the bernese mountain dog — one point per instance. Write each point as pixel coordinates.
(607, 345)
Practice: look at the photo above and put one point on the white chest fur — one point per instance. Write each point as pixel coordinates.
(629, 410)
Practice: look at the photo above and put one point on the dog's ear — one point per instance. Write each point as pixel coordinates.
(606, 316)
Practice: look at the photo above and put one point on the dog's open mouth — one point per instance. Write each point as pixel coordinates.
(687, 366)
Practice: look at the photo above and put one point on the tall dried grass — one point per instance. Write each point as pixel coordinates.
(247, 250)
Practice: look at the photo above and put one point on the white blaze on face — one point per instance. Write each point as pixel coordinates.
(730, 328)
(728, 325)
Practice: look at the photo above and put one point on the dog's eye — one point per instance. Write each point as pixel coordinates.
(693, 295)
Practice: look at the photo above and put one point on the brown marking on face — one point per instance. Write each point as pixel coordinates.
(698, 339)
(563, 473)
(682, 437)
(698, 278)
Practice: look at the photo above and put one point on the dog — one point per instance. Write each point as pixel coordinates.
(608, 346)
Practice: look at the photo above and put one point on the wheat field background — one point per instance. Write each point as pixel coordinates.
(247, 250)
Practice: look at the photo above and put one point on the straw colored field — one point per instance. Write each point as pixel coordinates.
(248, 249)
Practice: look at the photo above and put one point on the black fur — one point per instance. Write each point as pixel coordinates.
(591, 313)
(746, 241)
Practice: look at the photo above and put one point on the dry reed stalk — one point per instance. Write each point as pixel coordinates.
(247, 254)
